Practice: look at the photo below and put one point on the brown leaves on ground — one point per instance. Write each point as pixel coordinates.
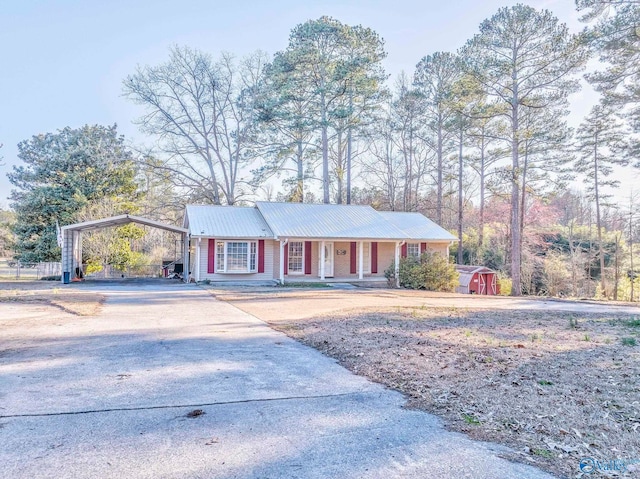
(556, 387)
(79, 303)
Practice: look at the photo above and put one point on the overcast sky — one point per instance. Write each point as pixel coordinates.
(63, 61)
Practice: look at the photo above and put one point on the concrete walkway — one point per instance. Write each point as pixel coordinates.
(108, 397)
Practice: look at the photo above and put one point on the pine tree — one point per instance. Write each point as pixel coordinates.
(523, 58)
(600, 145)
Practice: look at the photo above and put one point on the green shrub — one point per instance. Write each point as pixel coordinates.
(432, 272)
(504, 284)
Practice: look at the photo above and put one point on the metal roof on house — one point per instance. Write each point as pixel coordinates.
(305, 220)
(226, 222)
(416, 226)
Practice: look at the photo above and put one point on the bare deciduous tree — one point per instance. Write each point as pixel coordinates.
(202, 115)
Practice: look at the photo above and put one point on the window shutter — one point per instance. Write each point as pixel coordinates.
(354, 251)
(260, 256)
(404, 250)
(211, 256)
(286, 258)
(423, 247)
(374, 257)
(307, 257)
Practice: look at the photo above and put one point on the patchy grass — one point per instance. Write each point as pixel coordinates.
(79, 303)
(555, 394)
(634, 323)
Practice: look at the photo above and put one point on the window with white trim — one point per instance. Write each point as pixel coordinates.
(296, 257)
(236, 256)
(413, 250)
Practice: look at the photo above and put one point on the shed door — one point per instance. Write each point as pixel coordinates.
(483, 284)
(494, 288)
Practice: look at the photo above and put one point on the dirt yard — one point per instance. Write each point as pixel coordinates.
(556, 386)
(50, 293)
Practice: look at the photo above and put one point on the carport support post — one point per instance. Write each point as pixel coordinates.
(322, 260)
(397, 264)
(361, 261)
(77, 254)
(185, 257)
(67, 253)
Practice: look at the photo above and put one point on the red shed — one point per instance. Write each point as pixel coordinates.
(477, 280)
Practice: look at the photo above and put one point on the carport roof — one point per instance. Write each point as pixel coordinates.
(122, 220)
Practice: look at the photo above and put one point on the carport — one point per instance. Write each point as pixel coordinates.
(71, 239)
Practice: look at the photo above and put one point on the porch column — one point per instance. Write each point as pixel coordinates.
(361, 261)
(282, 246)
(397, 264)
(322, 260)
(197, 265)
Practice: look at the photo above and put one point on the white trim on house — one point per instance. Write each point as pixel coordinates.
(222, 257)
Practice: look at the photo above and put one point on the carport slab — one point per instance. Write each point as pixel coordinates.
(108, 397)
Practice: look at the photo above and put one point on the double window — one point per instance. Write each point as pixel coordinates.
(296, 257)
(236, 256)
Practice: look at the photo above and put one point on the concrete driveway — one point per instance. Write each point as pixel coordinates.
(108, 397)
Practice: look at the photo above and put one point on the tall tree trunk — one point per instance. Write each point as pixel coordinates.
(300, 179)
(410, 183)
(340, 169)
(523, 193)
(349, 151)
(633, 273)
(603, 285)
(439, 172)
(482, 193)
(325, 150)
(516, 256)
(617, 270)
(460, 202)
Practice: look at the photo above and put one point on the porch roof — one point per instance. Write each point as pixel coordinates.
(305, 220)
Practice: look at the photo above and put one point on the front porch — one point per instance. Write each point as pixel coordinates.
(335, 260)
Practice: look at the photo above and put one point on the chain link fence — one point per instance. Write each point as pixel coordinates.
(12, 269)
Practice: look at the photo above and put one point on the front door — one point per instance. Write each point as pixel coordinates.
(328, 260)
